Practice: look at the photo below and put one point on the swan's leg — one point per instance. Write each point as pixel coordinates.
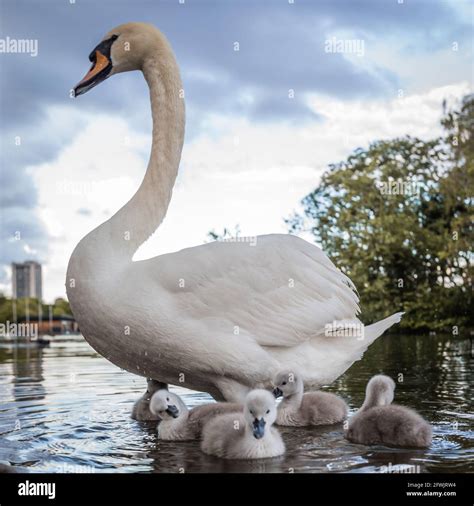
(215, 393)
(231, 390)
(161, 385)
(153, 385)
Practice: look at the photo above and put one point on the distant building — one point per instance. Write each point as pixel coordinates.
(58, 324)
(27, 280)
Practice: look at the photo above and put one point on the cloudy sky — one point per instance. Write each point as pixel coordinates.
(253, 148)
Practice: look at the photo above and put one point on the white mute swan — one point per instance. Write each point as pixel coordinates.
(301, 409)
(178, 423)
(380, 422)
(222, 317)
(247, 435)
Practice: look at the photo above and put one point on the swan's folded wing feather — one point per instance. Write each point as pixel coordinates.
(279, 291)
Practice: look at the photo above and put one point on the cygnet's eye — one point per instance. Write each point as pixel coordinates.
(251, 412)
(284, 383)
(167, 398)
(268, 411)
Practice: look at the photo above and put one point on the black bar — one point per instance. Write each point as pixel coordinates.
(241, 489)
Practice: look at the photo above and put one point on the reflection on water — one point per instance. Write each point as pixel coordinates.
(66, 409)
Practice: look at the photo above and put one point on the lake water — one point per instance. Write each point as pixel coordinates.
(64, 408)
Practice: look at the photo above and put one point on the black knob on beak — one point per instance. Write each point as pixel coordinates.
(173, 411)
(277, 393)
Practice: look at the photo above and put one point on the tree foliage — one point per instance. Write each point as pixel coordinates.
(32, 307)
(397, 218)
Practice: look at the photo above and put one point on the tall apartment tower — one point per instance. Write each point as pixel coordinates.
(27, 280)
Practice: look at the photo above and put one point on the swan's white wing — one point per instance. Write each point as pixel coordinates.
(278, 291)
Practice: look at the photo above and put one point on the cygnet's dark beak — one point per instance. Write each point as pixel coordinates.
(277, 393)
(173, 411)
(258, 428)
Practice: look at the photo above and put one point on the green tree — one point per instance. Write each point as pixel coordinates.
(32, 307)
(61, 307)
(397, 218)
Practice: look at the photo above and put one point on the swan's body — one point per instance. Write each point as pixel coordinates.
(180, 424)
(313, 408)
(221, 317)
(247, 435)
(380, 422)
(141, 408)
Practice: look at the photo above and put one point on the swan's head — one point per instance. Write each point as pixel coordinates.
(380, 389)
(123, 49)
(287, 383)
(260, 411)
(165, 405)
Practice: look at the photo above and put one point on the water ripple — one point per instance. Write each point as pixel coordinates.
(65, 409)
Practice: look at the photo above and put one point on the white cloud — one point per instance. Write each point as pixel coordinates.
(237, 172)
(98, 171)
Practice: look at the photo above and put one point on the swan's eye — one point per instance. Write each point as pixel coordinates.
(167, 398)
(268, 411)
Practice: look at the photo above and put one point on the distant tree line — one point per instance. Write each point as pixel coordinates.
(30, 308)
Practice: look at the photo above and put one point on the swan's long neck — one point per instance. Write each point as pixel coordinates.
(374, 398)
(141, 216)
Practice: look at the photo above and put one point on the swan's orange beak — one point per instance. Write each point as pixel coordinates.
(101, 67)
(101, 63)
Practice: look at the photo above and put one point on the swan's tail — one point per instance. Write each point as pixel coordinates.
(347, 348)
(371, 332)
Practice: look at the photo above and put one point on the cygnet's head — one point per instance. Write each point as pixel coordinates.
(124, 48)
(153, 386)
(287, 383)
(165, 405)
(260, 411)
(380, 390)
